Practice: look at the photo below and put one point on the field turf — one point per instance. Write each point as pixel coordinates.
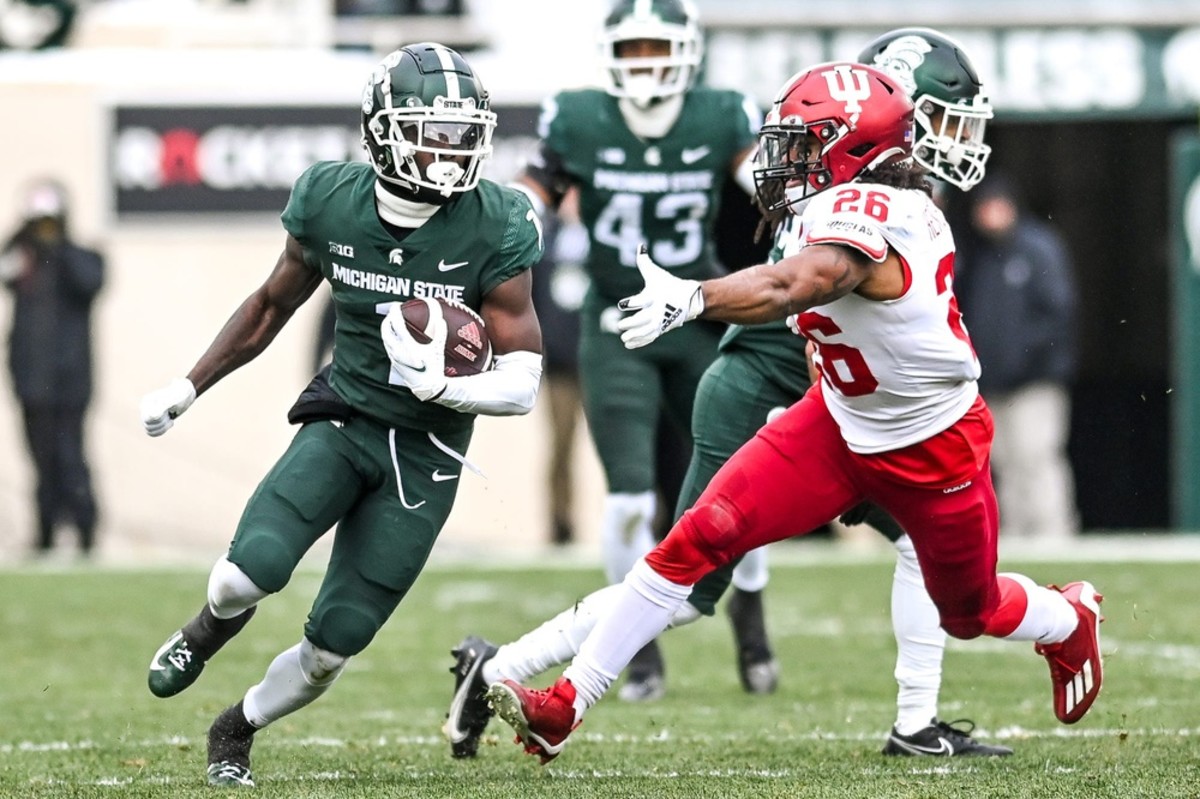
(78, 720)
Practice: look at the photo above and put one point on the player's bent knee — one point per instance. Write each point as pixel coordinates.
(681, 557)
(268, 560)
(343, 629)
(716, 526)
(320, 666)
(966, 627)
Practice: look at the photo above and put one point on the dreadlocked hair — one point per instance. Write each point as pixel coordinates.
(899, 175)
(769, 193)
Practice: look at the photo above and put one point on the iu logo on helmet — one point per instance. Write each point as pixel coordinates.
(849, 85)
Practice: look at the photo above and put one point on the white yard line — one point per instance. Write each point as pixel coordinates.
(663, 736)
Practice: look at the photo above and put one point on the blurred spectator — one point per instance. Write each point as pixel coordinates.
(53, 282)
(559, 286)
(1018, 298)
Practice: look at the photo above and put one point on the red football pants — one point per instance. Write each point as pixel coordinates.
(797, 474)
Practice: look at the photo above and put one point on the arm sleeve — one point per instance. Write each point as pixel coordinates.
(509, 388)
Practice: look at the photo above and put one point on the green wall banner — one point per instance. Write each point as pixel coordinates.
(1031, 72)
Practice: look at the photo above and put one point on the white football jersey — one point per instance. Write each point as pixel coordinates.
(895, 372)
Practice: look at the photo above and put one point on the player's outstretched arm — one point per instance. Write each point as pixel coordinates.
(818, 274)
(252, 327)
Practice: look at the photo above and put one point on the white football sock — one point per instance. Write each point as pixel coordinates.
(230, 592)
(553, 643)
(558, 640)
(640, 611)
(1049, 617)
(751, 573)
(920, 643)
(295, 678)
(625, 531)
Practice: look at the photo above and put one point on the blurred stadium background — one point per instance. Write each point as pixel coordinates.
(178, 126)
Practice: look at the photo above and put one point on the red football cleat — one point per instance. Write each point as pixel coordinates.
(542, 719)
(1075, 665)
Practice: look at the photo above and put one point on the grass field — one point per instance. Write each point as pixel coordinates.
(79, 722)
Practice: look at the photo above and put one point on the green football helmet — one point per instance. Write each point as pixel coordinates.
(951, 107)
(646, 79)
(424, 99)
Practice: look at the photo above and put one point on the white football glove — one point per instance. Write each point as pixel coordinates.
(667, 302)
(421, 367)
(793, 323)
(160, 408)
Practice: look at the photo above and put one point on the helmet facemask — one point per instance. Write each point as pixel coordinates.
(790, 170)
(645, 79)
(456, 141)
(950, 139)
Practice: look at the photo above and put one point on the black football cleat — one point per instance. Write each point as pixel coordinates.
(469, 713)
(940, 739)
(229, 740)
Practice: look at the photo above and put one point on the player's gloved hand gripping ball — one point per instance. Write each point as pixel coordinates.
(420, 365)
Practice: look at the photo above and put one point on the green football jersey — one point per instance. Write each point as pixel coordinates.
(471, 245)
(777, 350)
(662, 192)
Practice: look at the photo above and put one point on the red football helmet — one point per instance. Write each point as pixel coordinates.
(828, 125)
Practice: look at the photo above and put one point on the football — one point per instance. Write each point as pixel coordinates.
(468, 349)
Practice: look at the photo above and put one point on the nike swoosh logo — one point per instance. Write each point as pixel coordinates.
(943, 748)
(445, 267)
(695, 154)
(451, 728)
(154, 664)
(438, 477)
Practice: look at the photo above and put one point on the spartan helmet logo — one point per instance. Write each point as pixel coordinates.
(396, 257)
(902, 58)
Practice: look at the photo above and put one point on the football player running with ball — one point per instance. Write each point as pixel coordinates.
(895, 418)
(761, 370)
(384, 432)
(650, 154)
